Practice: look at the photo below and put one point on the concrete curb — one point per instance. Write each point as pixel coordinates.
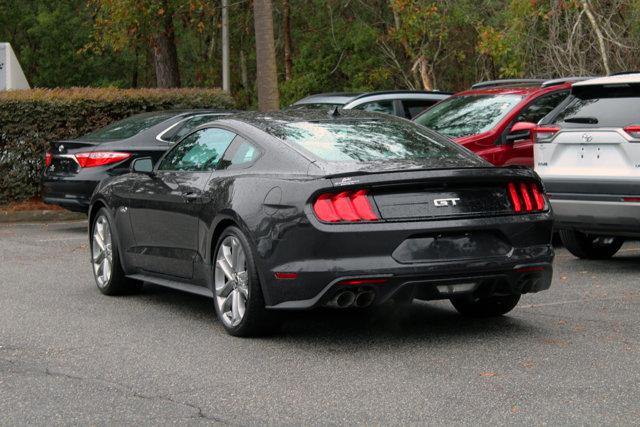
(40, 216)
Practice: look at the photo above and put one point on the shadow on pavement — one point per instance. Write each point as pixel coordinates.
(390, 322)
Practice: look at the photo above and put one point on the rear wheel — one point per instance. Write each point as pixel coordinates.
(105, 259)
(485, 306)
(590, 247)
(238, 300)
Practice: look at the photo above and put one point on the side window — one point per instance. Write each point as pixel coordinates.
(377, 107)
(542, 106)
(413, 107)
(199, 152)
(187, 126)
(240, 155)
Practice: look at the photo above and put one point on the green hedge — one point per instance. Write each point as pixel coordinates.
(31, 119)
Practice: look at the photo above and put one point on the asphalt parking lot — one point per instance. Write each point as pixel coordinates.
(70, 355)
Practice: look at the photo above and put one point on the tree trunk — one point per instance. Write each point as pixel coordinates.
(288, 63)
(165, 55)
(599, 36)
(267, 73)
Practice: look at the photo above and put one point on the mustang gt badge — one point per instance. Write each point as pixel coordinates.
(446, 202)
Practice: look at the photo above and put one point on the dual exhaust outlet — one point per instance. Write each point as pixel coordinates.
(347, 298)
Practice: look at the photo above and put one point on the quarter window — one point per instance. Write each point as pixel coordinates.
(199, 152)
(240, 155)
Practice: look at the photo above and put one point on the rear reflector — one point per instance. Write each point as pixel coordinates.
(633, 131)
(281, 275)
(526, 197)
(363, 281)
(48, 157)
(544, 134)
(100, 158)
(347, 206)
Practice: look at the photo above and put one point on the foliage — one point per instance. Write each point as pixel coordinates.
(31, 119)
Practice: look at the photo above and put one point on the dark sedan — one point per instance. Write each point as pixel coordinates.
(73, 168)
(304, 209)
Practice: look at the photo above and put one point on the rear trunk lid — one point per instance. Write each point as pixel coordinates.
(63, 161)
(439, 194)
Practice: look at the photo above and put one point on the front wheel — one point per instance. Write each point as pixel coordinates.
(586, 246)
(491, 306)
(238, 298)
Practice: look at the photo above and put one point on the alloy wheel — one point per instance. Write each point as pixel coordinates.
(231, 281)
(102, 251)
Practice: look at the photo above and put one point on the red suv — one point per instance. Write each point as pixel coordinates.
(495, 119)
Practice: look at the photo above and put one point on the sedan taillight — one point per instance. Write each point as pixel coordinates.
(347, 206)
(48, 158)
(526, 197)
(100, 158)
(544, 134)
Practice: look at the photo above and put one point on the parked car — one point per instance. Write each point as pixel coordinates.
(73, 168)
(401, 103)
(588, 153)
(495, 119)
(304, 209)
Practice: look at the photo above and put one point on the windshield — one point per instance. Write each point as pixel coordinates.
(468, 115)
(368, 140)
(316, 106)
(128, 127)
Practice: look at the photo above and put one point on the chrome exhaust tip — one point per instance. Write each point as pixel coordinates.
(342, 299)
(364, 299)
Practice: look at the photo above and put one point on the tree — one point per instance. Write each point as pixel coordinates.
(267, 73)
(124, 24)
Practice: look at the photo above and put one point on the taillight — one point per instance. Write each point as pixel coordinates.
(544, 134)
(100, 158)
(346, 206)
(526, 197)
(48, 158)
(633, 131)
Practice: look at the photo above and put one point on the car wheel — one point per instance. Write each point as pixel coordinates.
(238, 298)
(105, 259)
(590, 247)
(485, 306)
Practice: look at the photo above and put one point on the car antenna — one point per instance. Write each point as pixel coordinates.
(334, 112)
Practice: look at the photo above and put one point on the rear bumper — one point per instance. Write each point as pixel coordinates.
(416, 258)
(74, 195)
(600, 214)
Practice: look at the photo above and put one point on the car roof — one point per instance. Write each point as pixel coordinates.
(623, 78)
(328, 98)
(263, 121)
(348, 97)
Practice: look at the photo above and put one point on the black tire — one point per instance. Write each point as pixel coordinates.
(117, 283)
(256, 320)
(586, 246)
(485, 306)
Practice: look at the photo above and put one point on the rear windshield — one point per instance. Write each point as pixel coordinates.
(467, 115)
(127, 128)
(599, 109)
(367, 140)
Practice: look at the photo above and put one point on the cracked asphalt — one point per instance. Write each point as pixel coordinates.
(69, 355)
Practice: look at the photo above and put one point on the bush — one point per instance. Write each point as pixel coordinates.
(31, 119)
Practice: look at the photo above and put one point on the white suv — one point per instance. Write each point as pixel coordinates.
(587, 151)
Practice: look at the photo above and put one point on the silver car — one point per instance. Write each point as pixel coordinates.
(587, 151)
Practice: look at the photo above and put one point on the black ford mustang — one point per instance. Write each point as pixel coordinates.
(302, 209)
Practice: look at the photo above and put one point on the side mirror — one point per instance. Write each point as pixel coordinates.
(142, 165)
(521, 130)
